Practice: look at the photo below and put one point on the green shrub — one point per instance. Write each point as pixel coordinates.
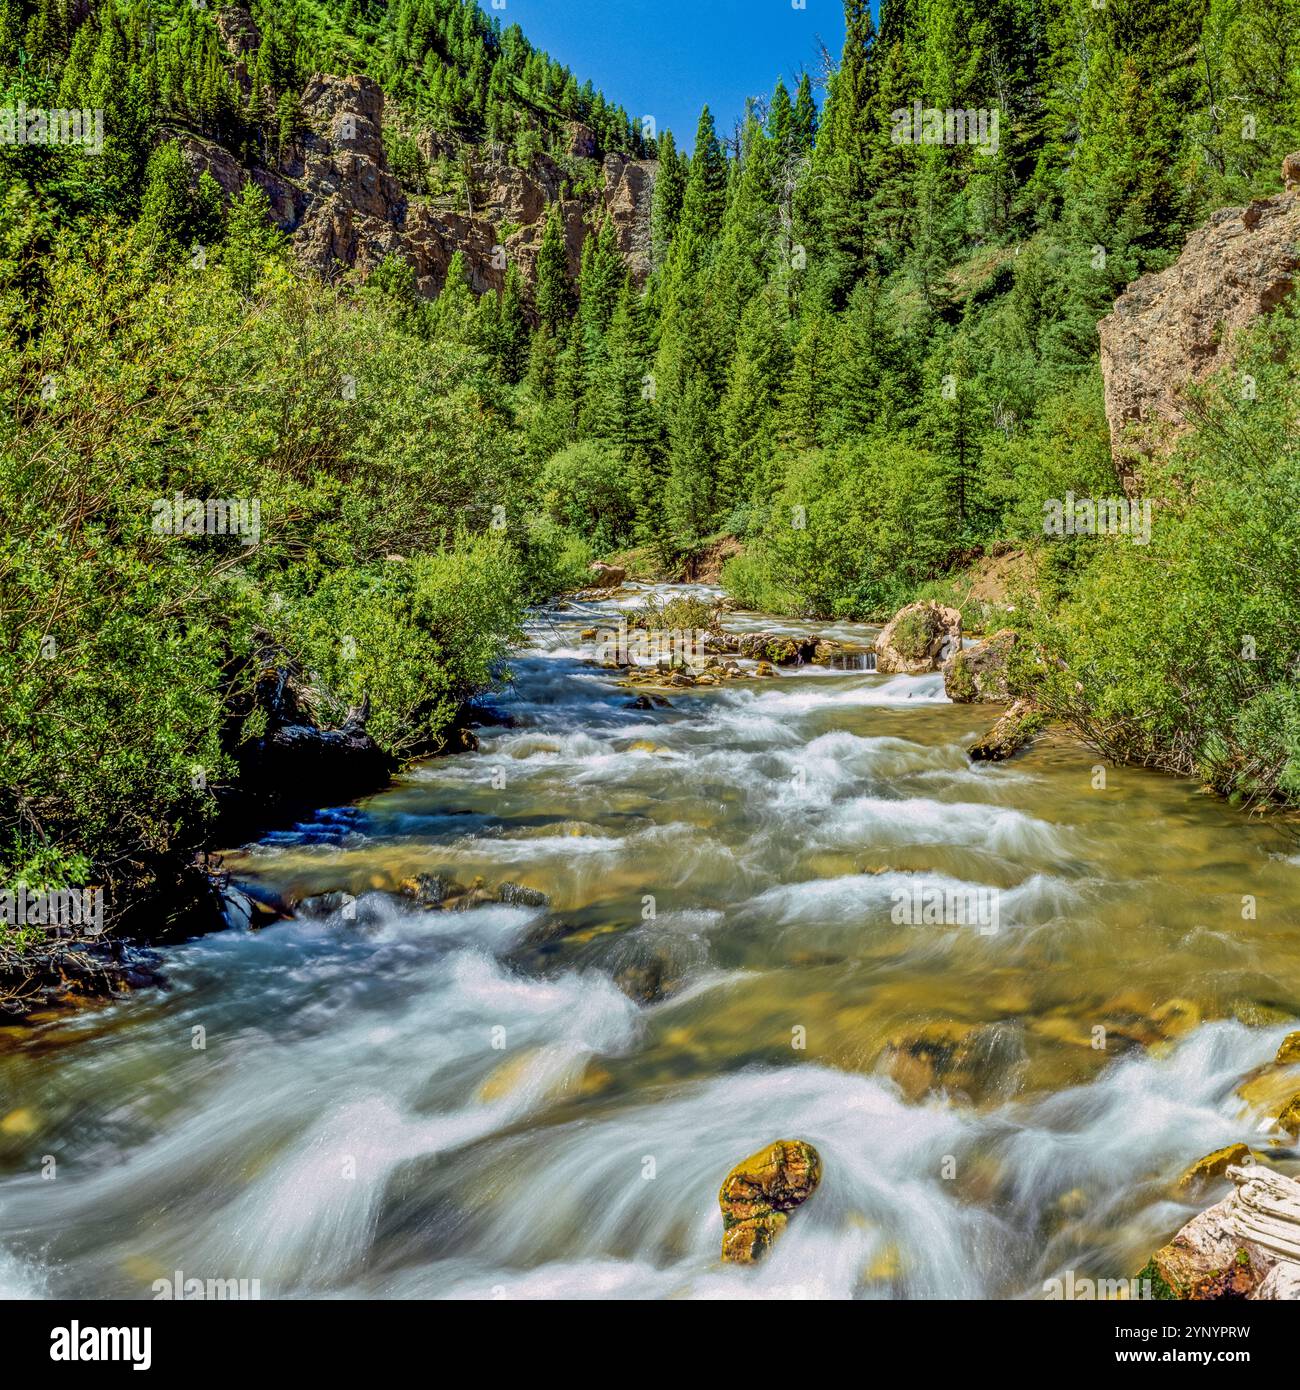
(585, 488)
(416, 637)
(131, 653)
(684, 614)
(914, 632)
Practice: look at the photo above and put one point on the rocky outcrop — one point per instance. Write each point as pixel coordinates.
(331, 189)
(758, 1195)
(979, 673)
(1245, 1247)
(917, 639)
(1175, 327)
(242, 37)
(582, 141)
(629, 188)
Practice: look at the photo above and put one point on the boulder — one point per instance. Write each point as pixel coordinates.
(979, 673)
(607, 576)
(1245, 1247)
(758, 1194)
(1212, 1166)
(779, 648)
(431, 890)
(517, 895)
(1177, 326)
(918, 639)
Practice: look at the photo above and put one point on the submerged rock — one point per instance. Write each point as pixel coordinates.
(516, 895)
(437, 892)
(918, 639)
(649, 981)
(757, 1195)
(964, 1060)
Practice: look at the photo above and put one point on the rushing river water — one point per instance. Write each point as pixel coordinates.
(382, 1101)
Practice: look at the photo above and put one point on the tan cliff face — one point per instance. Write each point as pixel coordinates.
(332, 191)
(1178, 326)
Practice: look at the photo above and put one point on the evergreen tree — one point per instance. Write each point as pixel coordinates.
(554, 291)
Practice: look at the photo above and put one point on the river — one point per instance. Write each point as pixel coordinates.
(377, 1101)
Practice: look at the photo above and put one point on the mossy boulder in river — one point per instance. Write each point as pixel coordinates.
(779, 648)
(918, 639)
(1212, 1166)
(758, 1194)
(979, 673)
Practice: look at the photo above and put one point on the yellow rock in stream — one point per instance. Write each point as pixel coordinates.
(1211, 1166)
(757, 1195)
(1176, 1017)
(516, 1072)
(644, 745)
(19, 1123)
(1289, 1051)
(886, 1267)
(1288, 1119)
(1270, 1088)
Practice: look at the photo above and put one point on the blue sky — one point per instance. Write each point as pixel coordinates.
(667, 58)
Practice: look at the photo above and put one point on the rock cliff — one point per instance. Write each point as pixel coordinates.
(1175, 327)
(333, 191)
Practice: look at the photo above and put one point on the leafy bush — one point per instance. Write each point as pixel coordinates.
(850, 533)
(416, 637)
(132, 652)
(686, 614)
(585, 488)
